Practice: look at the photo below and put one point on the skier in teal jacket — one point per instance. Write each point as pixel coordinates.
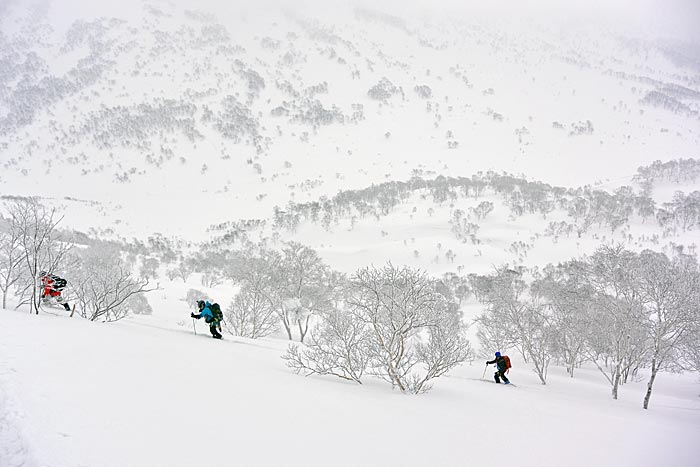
(214, 321)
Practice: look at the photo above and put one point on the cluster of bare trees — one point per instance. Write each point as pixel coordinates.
(105, 287)
(586, 207)
(286, 287)
(138, 124)
(674, 171)
(100, 280)
(623, 311)
(682, 211)
(35, 89)
(29, 243)
(392, 323)
(395, 323)
(619, 310)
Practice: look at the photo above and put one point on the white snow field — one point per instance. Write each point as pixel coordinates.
(175, 118)
(143, 392)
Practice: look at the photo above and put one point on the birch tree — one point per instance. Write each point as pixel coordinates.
(40, 245)
(670, 293)
(295, 282)
(522, 321)
(690, 351)
(615, 333)
(307, 282)
(251, 314)
(10, 260)
(104, 285)
(393, 323)
(338, 346)
(569, 301)
(410, 325)
(258, 273)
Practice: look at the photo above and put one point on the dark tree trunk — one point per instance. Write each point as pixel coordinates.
(650, 384)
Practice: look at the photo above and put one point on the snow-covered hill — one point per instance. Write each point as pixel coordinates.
(229, 111)
(144, 393)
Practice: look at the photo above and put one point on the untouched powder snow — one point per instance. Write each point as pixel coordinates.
(147, 392)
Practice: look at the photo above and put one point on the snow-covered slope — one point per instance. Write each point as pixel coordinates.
(229, 112)
(140, 393)
(185, 118)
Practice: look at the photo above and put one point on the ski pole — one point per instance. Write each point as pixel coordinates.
(194, 326)
(482, 376)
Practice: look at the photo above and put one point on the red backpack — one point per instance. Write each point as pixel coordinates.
(507, 360)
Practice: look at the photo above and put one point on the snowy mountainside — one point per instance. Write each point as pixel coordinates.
(76, 395)
(230, 113)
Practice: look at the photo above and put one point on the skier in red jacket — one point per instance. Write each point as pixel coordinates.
(51, 286)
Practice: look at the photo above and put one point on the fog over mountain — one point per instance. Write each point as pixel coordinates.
(169, 99)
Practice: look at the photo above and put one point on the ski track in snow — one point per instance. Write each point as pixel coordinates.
(14, 448)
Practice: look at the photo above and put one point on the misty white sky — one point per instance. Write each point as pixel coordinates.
(642, 18)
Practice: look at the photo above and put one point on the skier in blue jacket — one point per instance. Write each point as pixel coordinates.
(211, 318)
(501, 368)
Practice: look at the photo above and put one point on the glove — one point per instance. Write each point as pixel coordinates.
(193, 315)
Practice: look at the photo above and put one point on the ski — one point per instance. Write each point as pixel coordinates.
(490, 381)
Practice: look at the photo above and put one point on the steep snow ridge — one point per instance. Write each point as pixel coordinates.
(172, 398)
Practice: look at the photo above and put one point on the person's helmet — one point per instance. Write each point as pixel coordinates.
(498, 354)
(42, 273)
(200, 304)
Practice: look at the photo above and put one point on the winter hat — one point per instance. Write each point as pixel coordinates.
(498, 354)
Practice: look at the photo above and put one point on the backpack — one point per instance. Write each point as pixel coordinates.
(216, 311)
(507, 360)
(59, 283)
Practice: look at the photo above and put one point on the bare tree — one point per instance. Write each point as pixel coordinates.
(251, 314)
(260, 275)
(516, 318)
(690, 350)
(296, 283)
(194, 295)
(138, 305)
(10, 260)
(537, 336)
(306, 281)
(149, 267)
(482, 209)
(338, 346)
(394, 324)
(670, 292)
(182, 270)
(492, 335)
(615, 332)
(105, 285)
(569, 302)
(402, 309)
(40, 245)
